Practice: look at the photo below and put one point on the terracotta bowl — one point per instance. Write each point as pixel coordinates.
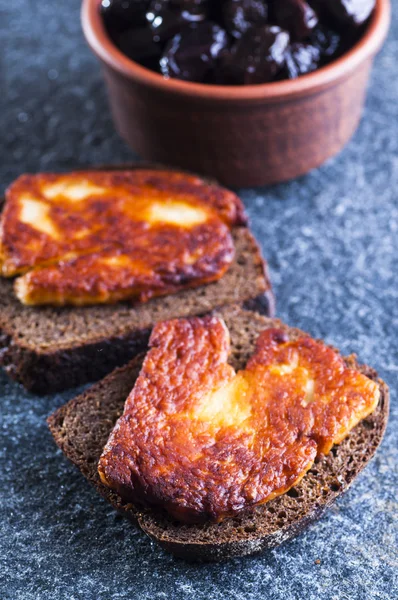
(241, 135)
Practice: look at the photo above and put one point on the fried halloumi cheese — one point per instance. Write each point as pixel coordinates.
(101, 237)
(205, 442)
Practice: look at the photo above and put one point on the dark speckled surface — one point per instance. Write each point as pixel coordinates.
(331, 239)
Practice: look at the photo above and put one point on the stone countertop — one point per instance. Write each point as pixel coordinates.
(331, 239)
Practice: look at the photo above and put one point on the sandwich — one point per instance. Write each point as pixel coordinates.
(230, 435)
(90, 261)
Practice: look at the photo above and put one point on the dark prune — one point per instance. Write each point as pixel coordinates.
(347, 12)
(257, 57)
(192, 54)
(240, 15)
(192, 10)
(328, 41)
(215, 11)
(167, 17)
(120, 15)
(138, 44)
(301, 59)
(272, 39)
(163, 20)
(296, 16)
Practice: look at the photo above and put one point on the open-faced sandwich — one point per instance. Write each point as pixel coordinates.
(92, 260)
(229, 436)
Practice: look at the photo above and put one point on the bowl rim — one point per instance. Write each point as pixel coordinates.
(369, 44)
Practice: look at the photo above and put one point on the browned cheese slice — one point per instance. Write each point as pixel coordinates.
(101, 237)
(205, 443)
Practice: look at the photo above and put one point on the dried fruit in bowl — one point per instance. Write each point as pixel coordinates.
(297, 17)
(241, 15)
(257, 57)
(193, 53)
(325, 27)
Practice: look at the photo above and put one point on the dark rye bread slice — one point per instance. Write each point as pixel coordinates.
(50, 349)
(81, 429)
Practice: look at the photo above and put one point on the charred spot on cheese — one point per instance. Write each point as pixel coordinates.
(205, 442)
(101, 237)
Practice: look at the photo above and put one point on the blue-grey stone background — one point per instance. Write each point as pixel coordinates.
(331, 239)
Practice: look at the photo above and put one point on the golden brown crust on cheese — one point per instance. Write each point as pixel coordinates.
(156, 265)
(99, 237)
(51, 349)
(206, 443)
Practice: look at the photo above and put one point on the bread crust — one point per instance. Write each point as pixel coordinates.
(256, 530)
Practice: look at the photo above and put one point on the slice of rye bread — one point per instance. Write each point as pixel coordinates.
(51, 349)
(81, 429)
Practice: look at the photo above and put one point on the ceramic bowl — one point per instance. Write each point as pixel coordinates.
(241, 135)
